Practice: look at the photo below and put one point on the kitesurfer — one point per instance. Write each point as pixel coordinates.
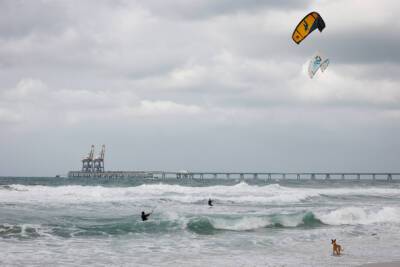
(145, 216)
(210, 202)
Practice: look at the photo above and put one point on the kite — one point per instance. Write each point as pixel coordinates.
(324, 64)
(307, 25)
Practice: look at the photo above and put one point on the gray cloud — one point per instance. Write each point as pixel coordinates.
(205, 84)
(200, 9)
(361, 47)
(20, 18)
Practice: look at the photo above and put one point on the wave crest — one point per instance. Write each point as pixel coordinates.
(239, 193)
(210, 225)
(357, 215)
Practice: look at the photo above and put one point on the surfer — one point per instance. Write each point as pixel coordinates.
(210, 202)
(145, 216)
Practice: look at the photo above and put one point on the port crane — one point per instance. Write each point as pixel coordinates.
(87, 162)
(98, 163)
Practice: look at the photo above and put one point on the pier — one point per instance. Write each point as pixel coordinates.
(242, 176)
(269, 176)
(94, 168)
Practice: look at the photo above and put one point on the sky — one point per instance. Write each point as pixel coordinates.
(200, 85)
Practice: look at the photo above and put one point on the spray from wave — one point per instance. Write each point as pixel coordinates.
(203, 225)
(362, 216)
(207, 225)
(239, 193)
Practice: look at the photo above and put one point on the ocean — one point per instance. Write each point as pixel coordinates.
(62, 222)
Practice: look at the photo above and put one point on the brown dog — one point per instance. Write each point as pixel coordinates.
(336, 248)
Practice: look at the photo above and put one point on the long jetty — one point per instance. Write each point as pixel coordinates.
(94, 168)
(267, 176)
(279, 175)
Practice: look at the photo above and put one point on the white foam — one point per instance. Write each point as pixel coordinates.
(21, 229)
(240, 193)
(357, 215)
(242, 224)
(248, 222)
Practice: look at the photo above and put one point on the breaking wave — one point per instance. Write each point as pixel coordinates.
(362, 216)
(199, 225)
(239, 193)
(204, 225)
(20, 231)
(207, 225)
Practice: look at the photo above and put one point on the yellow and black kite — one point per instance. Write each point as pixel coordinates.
(307, 25)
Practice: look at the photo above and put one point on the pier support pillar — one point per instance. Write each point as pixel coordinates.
(313, 176)
(389, 177)
(298, 177)
(373, 177)
(328, 176)
(358, 176)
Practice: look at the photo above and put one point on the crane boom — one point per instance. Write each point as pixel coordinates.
(103, 151)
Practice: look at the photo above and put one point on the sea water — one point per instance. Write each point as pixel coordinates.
(58, 222)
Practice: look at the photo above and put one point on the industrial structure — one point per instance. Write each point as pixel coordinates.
(98, 163)
(87, 162)
(91, 164)
(94, 168)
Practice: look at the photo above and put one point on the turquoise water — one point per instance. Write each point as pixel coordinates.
(61, 222)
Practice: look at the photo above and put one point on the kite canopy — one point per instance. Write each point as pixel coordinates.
(307, 25)
(324, 65)
(317, 62)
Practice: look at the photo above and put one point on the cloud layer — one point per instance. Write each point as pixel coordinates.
(197, 85)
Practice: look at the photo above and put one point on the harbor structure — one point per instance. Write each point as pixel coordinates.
(94, 168)
(87, 162)
(98, 163)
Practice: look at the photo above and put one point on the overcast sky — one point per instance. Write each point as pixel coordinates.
(198, 85)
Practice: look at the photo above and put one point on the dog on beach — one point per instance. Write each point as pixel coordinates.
(336, 248)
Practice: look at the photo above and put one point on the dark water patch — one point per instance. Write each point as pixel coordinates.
(276, 225)
(18, 231)
(309, 220)
(303, 220)
(205, 225)
(10, 188)
(123, 227)
(358, 197)
(63, 232)
(201, 226)
(89, 229)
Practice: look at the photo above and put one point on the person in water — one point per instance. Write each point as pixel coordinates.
(210, 202)
(145, 216)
